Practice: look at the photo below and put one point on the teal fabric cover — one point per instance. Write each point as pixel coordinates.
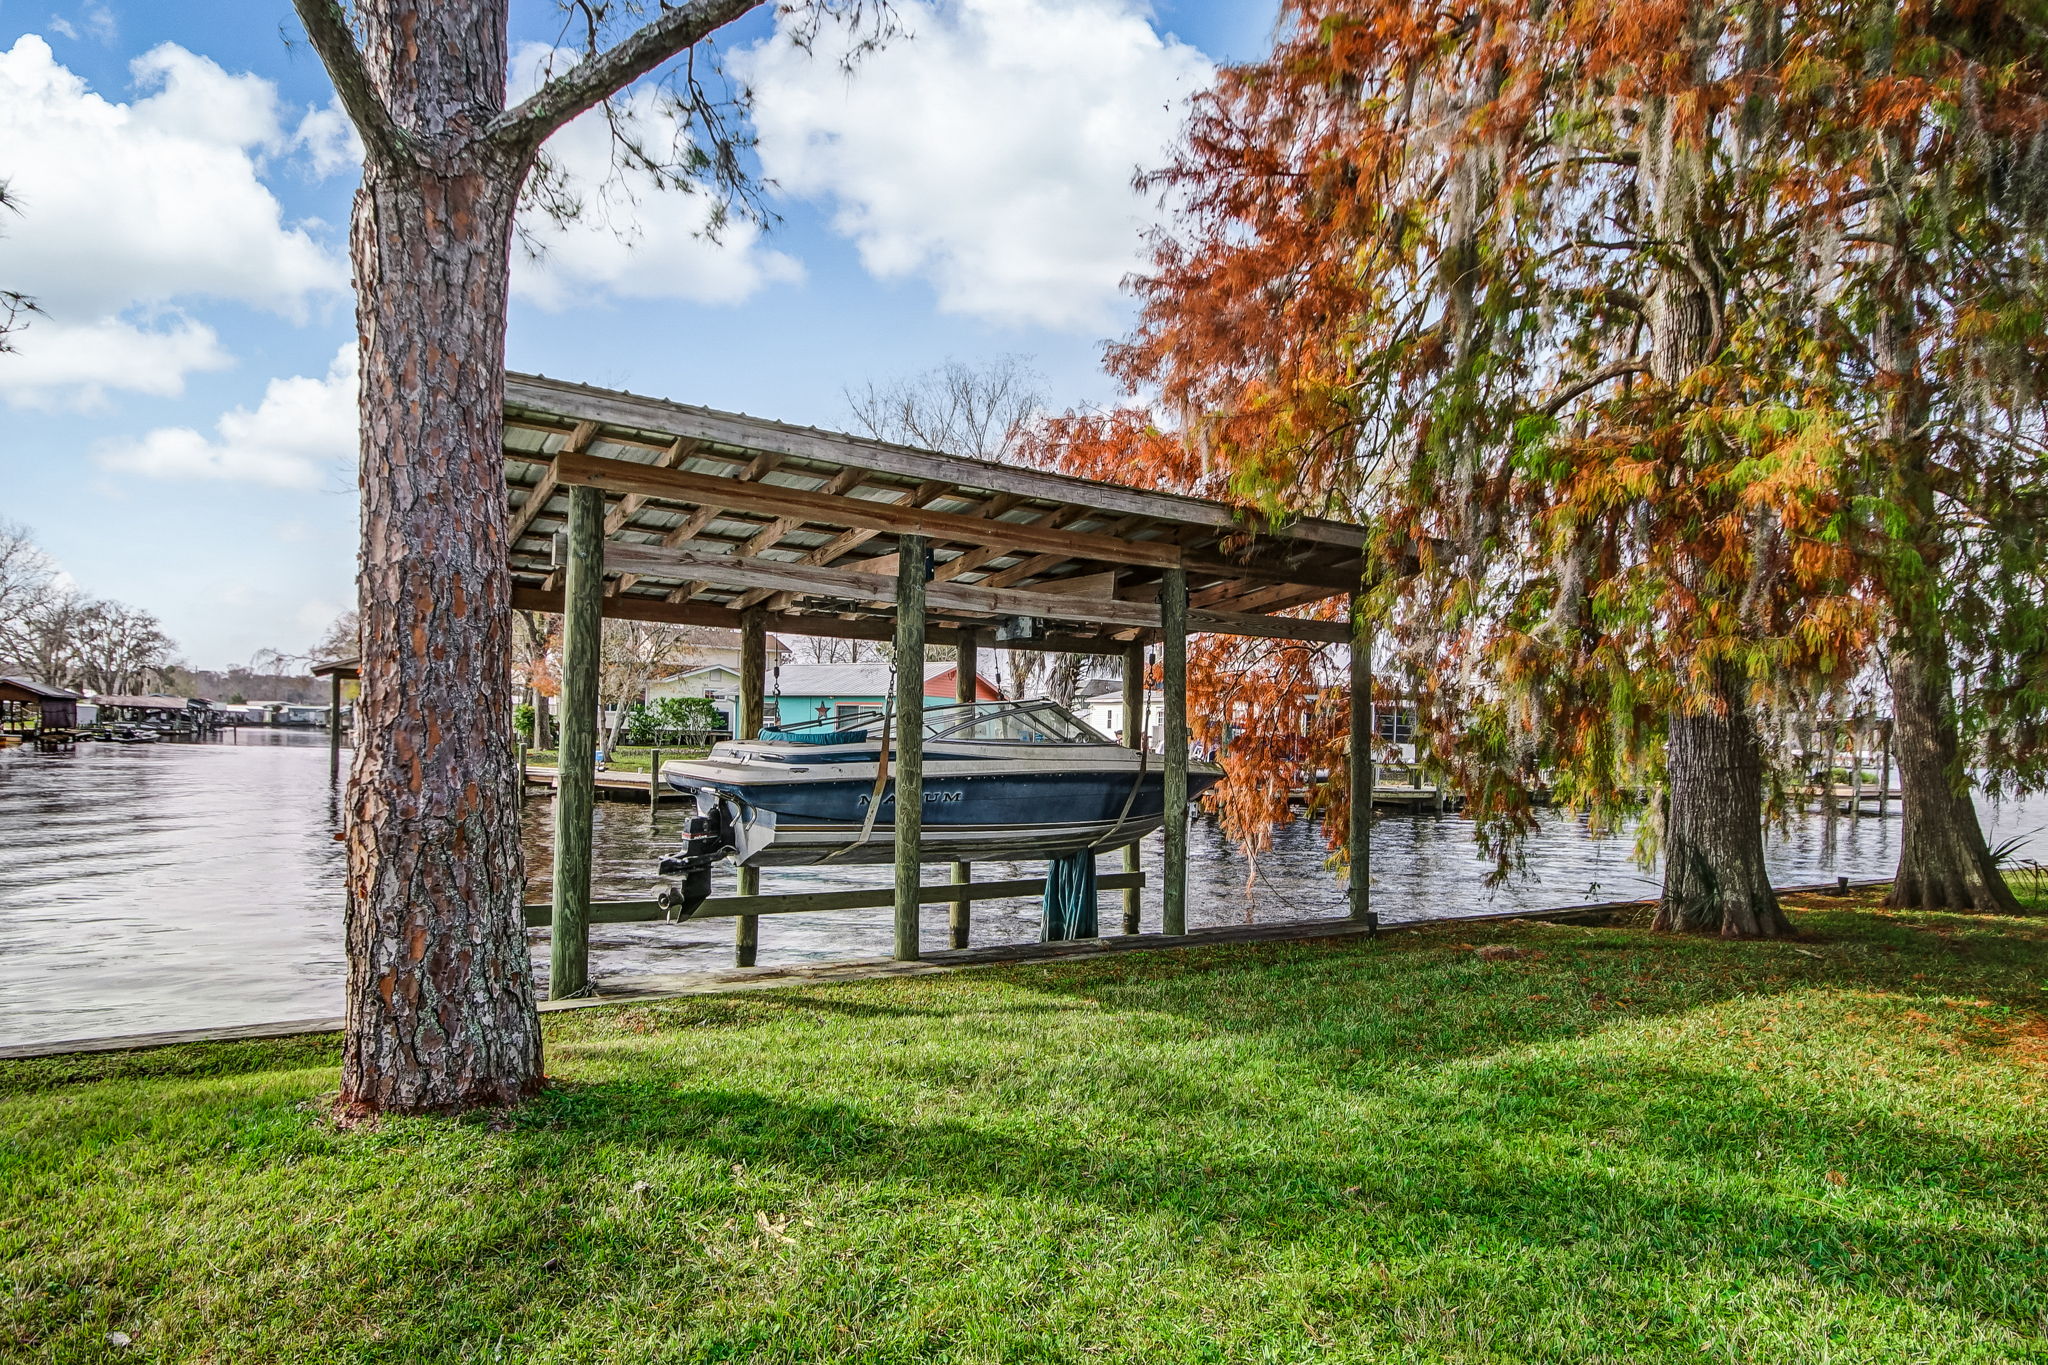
(1070, 898)
(816, 736)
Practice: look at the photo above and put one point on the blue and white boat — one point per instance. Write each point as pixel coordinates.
(1003, 781)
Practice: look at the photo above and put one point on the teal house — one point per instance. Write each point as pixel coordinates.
(801, 694)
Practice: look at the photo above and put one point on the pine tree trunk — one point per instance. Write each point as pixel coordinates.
(1714, 876)
(1944, 861)
(440, 991)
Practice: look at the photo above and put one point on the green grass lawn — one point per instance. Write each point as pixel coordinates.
(1614, 1148)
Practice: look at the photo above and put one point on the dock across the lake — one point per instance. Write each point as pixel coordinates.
(613, 784)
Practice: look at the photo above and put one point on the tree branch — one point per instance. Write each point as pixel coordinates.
(327, 27)
(529, 123)
(1639, 365)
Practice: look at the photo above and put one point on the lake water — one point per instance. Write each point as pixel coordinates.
(169, 886)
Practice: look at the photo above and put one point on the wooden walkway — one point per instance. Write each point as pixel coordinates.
(670, 986)
(612, 783)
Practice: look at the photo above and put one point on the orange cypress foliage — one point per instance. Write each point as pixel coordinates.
(1429, 270)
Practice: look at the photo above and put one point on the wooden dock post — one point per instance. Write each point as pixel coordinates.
(1358, 836)
(1855, 775)
(1136, 738)
(333, 725)
(752, 709)
(1173, 608)
(575, 767)
(909, 736)
(966, 688)
(1884, 772)
(653, 785)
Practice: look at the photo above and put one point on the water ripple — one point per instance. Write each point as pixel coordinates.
(192, 885)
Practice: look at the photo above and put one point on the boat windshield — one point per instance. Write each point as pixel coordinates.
(1008, 722)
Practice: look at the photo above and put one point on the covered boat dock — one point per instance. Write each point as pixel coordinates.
(642, 509)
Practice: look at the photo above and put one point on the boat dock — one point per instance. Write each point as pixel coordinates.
(612, 784)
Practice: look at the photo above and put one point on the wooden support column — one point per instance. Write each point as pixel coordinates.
(1136, 738)
(752, 714)
(1358, 837)
(333, 726)
(576, 761)
(653, 787)
(1855, 775)
(1884, 772)
(909, 737)
(966, 676)
(1173, 608)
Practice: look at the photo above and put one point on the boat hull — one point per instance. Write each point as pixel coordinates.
(971, 814)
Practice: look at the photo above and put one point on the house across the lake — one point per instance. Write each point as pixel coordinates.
(1394, 721)
(26, 704)
(799, 694)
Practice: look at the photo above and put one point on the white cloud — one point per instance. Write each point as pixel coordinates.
(329, 140)
(59, 365)
(990, 152)
(303, 429)
(631, 240)
(130, 210)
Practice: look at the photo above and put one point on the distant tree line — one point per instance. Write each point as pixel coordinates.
(54, 633)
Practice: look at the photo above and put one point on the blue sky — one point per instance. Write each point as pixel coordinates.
(177, 429)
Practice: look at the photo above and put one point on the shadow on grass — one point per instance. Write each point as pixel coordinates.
(782, 1006)
(189, 1062)
(1615, 1152)
(1428, 994)
(1403, 1109)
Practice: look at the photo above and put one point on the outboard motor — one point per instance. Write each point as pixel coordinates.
(707, 839)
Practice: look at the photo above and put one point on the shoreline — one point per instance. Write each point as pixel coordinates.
(678, 985)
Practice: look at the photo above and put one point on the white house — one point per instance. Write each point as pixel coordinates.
(1104, 712)
(1393, 721)
(714, 671)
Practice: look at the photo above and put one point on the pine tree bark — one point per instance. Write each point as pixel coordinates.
(1715, 881)
(440, 989)
(440, 992)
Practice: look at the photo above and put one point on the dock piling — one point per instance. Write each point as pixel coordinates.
(911, 568)
(1173, 609)
(576, 770)
(1358, 835)
(751, 715)
(966, 689)
(1136, 738)
(333, 726)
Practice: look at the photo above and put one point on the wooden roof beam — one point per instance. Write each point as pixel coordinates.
(624, 476)
(544, 492)
(617, 519)
(636, 413)
(735, 572)
(838, 547)
(663, 612)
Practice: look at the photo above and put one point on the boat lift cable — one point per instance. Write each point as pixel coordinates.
(1130, 798)
(867, 828)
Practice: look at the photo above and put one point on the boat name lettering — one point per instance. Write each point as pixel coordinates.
(946, 798)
